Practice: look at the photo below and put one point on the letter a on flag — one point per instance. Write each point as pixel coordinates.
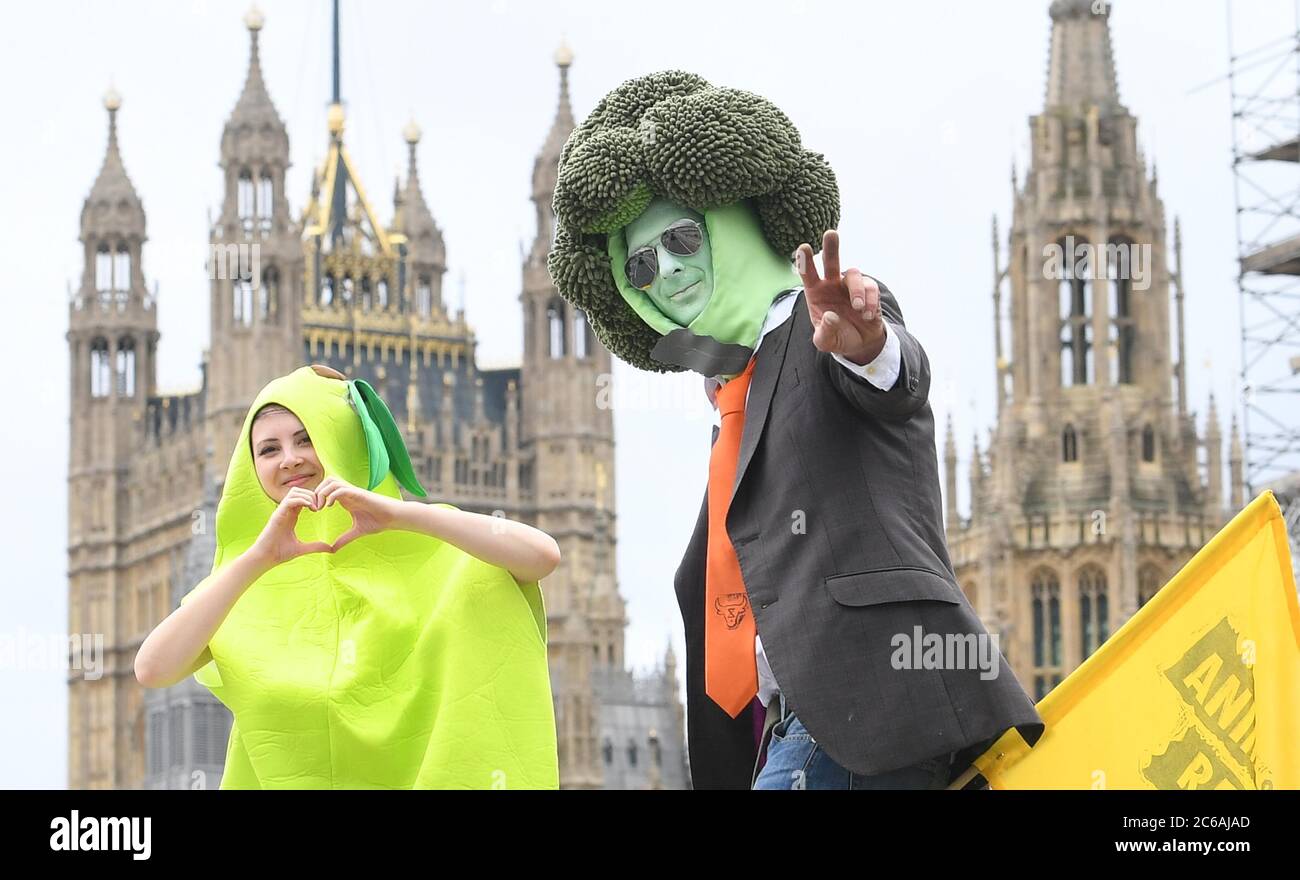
(1200, 689)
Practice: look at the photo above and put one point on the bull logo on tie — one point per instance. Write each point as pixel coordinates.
(732, 607)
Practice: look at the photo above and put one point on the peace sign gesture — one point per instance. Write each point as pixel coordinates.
(844, 309)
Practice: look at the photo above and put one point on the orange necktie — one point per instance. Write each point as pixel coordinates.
(730, 670)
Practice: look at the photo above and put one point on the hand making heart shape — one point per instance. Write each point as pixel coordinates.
(370, 512)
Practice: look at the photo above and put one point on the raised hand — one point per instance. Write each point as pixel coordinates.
(278, 542)
(371, 512)
(844, 309)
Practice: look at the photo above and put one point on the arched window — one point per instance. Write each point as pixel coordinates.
(631, 753)
(103, 271)
(581, 336)
(244, 200)
(122, 269)
(265, 199)
(366, 301)
(607, 751)
(327, 291)
(1148, 443)
(347, 291)
(1073, 288)
(126, 367)
(1045, 591)
(241, 291)
(1069, 444)
(1120, 344)
(424, 297)
(1093, 617)
(269, 294)
(382, 293)
(555, 325)
(1149, 581)
(101, 371)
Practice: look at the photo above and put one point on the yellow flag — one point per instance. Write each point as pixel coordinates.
(1200, 689)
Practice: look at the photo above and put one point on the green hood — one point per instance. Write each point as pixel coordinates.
(747, 276)
(398, 662)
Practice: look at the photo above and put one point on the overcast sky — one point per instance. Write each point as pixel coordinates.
(921, 108)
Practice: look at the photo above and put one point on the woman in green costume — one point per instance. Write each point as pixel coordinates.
(361, 641)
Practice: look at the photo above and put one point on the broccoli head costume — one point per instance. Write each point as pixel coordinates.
(399, 661)
(727, 155)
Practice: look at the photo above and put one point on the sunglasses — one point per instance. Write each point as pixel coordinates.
(681, 239)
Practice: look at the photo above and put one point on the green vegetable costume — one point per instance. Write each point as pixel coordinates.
(399, 661)
(728, 154)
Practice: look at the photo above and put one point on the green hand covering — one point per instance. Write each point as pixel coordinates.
(747, 276)
(400, 661)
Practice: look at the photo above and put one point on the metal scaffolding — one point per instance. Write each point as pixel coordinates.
(1264, 83)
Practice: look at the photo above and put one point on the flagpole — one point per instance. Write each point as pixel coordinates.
(967, 775)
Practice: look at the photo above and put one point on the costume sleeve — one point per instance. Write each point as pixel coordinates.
(910, 390)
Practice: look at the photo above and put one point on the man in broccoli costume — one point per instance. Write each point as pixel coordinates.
(687, 218)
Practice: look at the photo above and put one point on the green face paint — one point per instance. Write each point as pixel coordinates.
(684, 283)
(398, 662)
(747, 275)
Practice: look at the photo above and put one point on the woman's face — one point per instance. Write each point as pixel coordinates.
(283, 454)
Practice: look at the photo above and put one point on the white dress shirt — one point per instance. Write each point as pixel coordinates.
(881, 372)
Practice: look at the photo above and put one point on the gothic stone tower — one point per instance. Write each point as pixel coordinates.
(567, 439)
(255, 261)
(112, 339)
(1091, 494)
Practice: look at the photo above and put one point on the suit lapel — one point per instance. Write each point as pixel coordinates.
(771, 358)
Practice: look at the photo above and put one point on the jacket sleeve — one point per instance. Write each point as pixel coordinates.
(908, 394)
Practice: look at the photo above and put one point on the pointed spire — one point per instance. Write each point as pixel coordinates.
(399, 208)
(1081, 69)
(113, 195)
(416, 220)
(1213, 461)
(254, 107)
(548, 160)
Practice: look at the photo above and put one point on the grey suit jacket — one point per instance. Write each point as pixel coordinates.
(838, 526)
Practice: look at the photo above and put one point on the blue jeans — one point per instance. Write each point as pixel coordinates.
(796, 761)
